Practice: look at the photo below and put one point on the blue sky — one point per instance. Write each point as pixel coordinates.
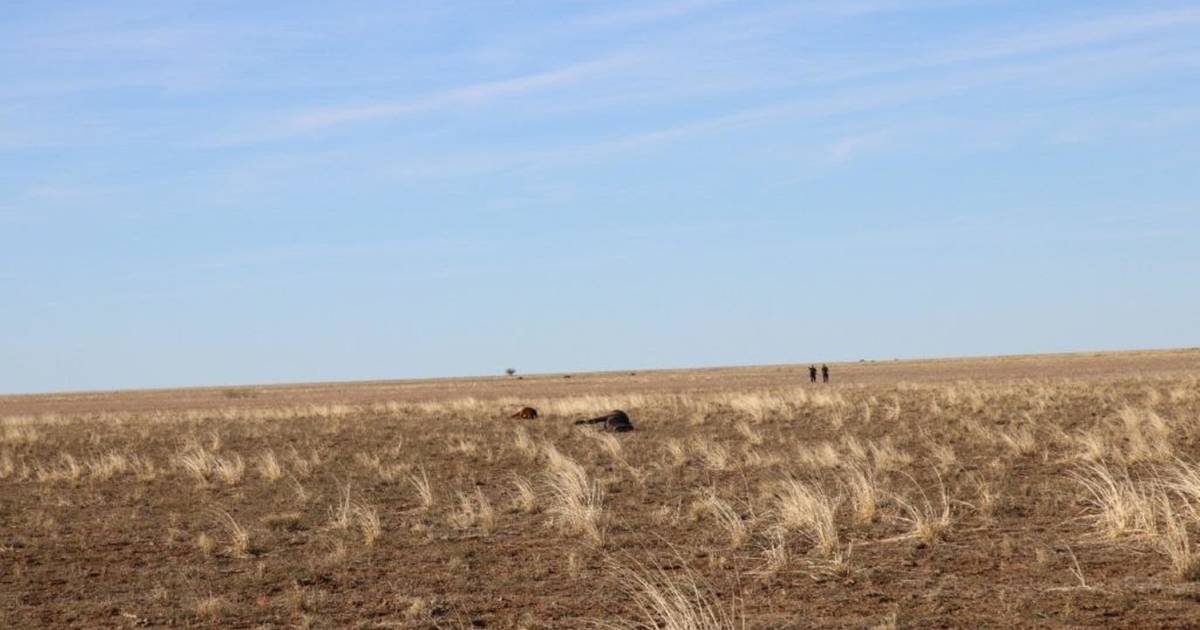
(242, 192)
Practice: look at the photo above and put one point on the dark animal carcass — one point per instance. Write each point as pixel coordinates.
(617, 421)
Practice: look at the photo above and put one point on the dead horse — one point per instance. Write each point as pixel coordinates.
(526, 413)
(616, 421)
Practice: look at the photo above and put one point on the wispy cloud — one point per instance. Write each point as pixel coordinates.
(985, 47)
(647, 12)
(850, 147)
(316, 119)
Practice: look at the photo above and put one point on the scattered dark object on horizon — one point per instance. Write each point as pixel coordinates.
(824, 373)
(617, 421)
(812, 374)
(510, 371)
(566, 376)
(526, 413)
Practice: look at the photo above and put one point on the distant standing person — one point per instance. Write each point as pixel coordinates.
(812, 374)
(824, 373)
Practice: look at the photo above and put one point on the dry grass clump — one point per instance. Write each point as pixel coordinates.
(349, 514)
(726, 517)
(1021, 441)
(808, 509)
(886, 457)
(8, 465)
(1123, 507)
(268, 466)
(927, 522)
(669, 602)
(1176, 544)
(676, 452)
(711, 453)
(239, 537)
(577, 502)
(474, 511)
(525, 444)
(19, 434)
(108, 465)
(609, 444)
(206, 466)
(423, 487)
(67, 468)
(525, 500)
(1147, 435)
(821, 456)
(863, 490)
(752, 436)
(211, 607)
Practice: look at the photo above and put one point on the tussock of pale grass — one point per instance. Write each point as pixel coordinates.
(1174, 542)
(368, 521)
(1123, 506)
(864, 412)
(239, 537)
(609, 444)
(269, 467)
(676, 453)
(576, 501)
(20, 435)
(1184, 479)
(1021, 441)
(524, 444)
(525, 500)
(808, 509)
(1147, 434)
(944, 457)
(341, 514)
(1093, 446)
(748, 432)
(864, 493)
(886, 457)
(108, 465)
(474, 511)
(204, 465)
(210, 607)
(891, 413)
(712, 454)
(854, 448)
(424, 489)
(820, 456)
(464, 447)
(348, 513)
(927, 522)
(727, 518)
(205, 544)
(67, 468)
(8, 466)
(776, 553)
(757, 405)
(669, 602)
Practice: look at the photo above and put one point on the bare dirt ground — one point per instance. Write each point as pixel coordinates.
(1029, 491)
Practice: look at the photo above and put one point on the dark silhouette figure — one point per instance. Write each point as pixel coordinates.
(616, 421)
(526, 413)
(824, 373)
(812, 374)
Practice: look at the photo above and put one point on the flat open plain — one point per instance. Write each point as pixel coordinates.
(1024, 491)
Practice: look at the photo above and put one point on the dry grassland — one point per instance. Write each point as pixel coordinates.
(908, 494)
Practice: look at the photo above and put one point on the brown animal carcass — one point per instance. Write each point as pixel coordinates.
(526, 413)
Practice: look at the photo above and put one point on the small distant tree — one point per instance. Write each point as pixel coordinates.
(510, 371)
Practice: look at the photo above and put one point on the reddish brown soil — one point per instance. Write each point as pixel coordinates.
(81, 550)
